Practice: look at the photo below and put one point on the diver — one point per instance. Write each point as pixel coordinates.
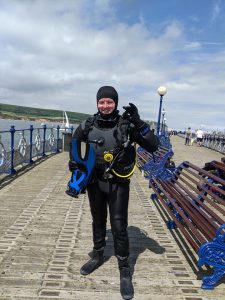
(113, 138)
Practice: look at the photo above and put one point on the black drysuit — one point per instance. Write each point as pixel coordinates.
(114, 191)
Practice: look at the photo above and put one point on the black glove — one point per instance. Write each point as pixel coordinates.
(131, 113)
(72, 165)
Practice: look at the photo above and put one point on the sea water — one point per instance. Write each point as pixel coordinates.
(22, 127)
(5, 124)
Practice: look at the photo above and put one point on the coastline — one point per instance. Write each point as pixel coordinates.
(33, 119)
(42, 115)
(25, 118)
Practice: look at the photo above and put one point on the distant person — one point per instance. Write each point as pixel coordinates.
(199, 135)
(188, 136)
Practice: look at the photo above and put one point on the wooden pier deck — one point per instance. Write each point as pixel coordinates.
(45, 237)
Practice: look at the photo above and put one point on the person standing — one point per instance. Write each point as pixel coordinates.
(188, 136)
(113, 135)
(199, 135)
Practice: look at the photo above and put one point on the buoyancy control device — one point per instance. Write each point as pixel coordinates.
(84, 156)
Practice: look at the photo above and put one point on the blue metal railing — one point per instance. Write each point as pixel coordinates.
(214, 141)
(15, 150)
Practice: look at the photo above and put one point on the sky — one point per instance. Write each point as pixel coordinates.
(56, 54)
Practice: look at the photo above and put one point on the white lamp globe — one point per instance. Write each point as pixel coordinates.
(162, 90)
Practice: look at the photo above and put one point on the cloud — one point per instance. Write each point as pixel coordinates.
(216, 10)
(193, 45)
(59, 55)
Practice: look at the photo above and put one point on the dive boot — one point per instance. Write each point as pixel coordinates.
(126, 286)
(95, 262)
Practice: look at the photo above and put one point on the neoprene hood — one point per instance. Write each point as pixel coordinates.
(107, 92)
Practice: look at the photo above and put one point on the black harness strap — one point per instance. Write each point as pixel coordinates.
(89, 124)
(123, 125)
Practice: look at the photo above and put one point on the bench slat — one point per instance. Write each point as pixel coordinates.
(194, 200)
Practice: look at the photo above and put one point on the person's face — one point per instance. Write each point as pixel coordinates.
(106, 106)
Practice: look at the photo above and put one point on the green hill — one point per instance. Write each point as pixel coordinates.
(8, 111)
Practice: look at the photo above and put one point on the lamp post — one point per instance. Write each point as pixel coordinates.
(164, 126)
(161, 91)
(163, 115)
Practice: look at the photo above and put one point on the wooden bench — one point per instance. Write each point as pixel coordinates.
(193, 202)
(217, 168)
(155, 164)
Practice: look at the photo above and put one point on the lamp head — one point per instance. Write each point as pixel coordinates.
(162, 90)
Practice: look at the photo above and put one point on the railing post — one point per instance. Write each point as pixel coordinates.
(12, 131)
(44, 135)
(57, 147)
(31, 143)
